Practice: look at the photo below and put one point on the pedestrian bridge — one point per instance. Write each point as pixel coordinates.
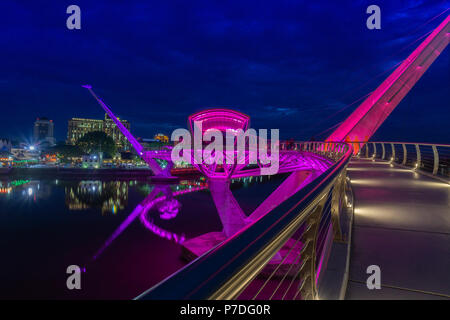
(347, 204)
(402, 224)
(317, 244)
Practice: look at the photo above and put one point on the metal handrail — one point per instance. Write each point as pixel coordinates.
(427, 158)
(225, 271)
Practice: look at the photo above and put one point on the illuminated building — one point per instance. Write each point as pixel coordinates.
(161, 137)
(49, 158)
(5, 159)
(78, 127)
(25, 153)
(43, 131)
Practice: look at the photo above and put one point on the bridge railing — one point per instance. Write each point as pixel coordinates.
(432, 159)
(280, 255)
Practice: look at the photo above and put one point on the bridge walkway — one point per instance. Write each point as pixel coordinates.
(402, 224)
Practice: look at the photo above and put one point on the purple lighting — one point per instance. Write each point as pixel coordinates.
(219, 119)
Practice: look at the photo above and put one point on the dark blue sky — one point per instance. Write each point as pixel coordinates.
(288, 64)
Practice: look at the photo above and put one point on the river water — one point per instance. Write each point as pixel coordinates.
(49, 224)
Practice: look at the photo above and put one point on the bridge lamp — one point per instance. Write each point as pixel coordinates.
(349, 204)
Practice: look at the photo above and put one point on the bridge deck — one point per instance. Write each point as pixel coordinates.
(401, 224)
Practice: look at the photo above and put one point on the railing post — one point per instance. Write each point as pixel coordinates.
(337, 196)
(393, 151)
(307, 288)
(382, 151)
(419, 160)
(436, 160)
(367, 149)
(374, 149)
(404, 154)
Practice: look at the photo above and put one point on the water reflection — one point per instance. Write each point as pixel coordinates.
(108, 196)
(160, 201)
(28, 190)
(41, 220)
(161, 197)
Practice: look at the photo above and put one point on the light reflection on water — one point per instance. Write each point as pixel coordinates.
(60, 222)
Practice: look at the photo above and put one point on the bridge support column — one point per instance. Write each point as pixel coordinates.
(230, 214)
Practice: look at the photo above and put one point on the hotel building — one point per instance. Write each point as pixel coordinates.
(78, 127)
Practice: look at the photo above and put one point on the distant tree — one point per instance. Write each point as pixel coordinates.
(97, 141)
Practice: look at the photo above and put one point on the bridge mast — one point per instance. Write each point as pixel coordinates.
(136, 145)
(368, 117)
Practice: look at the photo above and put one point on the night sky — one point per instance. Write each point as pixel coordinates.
(288, 64)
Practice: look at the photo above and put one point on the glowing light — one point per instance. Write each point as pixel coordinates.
(17, 183)
(373, 111)
(5, 190)
(30, 191)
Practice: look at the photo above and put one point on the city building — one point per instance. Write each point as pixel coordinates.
(5, 145)
(6, 158)
(161, 137)
(25, 153)
(78, 127)
(43, 131)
